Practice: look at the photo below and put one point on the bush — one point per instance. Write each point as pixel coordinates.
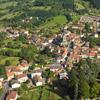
(7, 63)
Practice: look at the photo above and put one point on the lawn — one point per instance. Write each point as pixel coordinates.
(56, 20)
(4, 10)
(54, 23)
(41, 8)
(75, 18)
(7, 4)
(79, 6)
(10, 15)
(13, 60)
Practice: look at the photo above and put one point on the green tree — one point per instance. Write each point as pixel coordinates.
(94, 89)
(9, 53)
(84, 89)
(48, 74)
(2, 36)
(74, 81)
(7, 63)
(29, 53)
(22, 38)
(87, 27)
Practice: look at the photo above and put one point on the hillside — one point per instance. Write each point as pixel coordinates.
(41, 14)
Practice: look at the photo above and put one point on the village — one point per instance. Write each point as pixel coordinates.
(69, 48)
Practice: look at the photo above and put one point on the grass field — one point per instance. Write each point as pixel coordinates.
(54, 23)
(13, 60)
(56, 20)
(41, 8)
(79, 6)
(7, 4)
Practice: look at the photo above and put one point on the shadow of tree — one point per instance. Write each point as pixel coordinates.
(62, 88)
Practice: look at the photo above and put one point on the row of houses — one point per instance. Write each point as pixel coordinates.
(17, 75)
(12, 33)
(94, 20)
(36, 78)
(73, 49)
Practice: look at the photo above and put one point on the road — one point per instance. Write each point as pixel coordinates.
(5, 89)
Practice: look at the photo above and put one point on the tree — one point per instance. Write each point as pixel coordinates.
(42, 60)
(7, 63)
(94, 89)
(29, 53)
(2, 36)
(74, 82)
(10, 44)
(9, 53)
(84, 89)
(68, 16)
(32, 66)
(87, 27)
(22, 38)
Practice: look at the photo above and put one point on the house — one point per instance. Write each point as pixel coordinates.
(96, 35)
(63, 74)
(12, 95)
(25, 32)
(65, 27)
(60, 59)
(23, 66)
(84, 56)
(14, 84)
(85, 19)
(1, 82)
(98, 49)
(9, 72)
(22, 78)
(34, 38)
(38, 80)
(72, 36)
(50, 40)
(92, 52)
(17, 71)
(55, 67)
(1, 79)
(63, 52)
(36, 72)
(98, 56)
(74, 57)
(45, 44)
(12, 71)
(10, 75)
(12, 33)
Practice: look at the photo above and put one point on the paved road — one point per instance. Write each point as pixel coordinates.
(5, 89)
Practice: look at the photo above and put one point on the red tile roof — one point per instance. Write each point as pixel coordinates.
(11, 95)
(10, 74)
(21, 75)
